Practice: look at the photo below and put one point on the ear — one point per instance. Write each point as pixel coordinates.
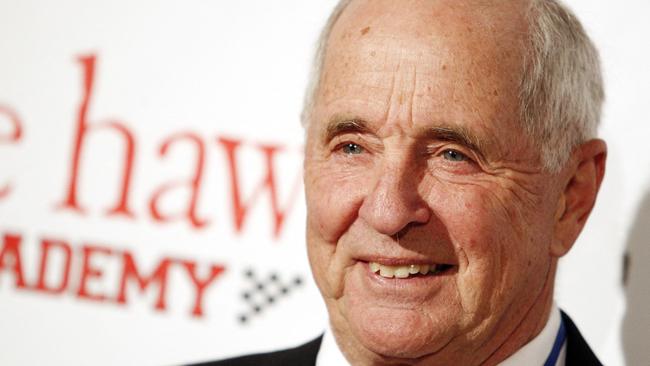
(583, 173)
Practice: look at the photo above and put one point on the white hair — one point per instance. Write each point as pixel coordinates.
(561, 89)
(317, 65)
(561, 92)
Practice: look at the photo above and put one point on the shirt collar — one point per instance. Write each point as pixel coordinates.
(534, 352)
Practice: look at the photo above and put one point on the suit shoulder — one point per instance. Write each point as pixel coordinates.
(303, 355)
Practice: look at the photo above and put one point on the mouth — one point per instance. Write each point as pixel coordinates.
(410, 270)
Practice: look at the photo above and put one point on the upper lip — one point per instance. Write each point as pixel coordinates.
(400, 261)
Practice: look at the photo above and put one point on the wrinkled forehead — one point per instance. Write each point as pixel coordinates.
(464, 59)
(485, 38)
(485, 22)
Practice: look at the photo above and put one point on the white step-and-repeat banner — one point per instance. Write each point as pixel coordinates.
(151, 206)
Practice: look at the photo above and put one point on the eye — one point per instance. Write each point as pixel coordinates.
(351, 148)
(453, 155)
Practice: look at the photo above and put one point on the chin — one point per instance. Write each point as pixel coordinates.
(397, 333)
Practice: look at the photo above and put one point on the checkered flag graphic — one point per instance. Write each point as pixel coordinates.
(261, 293)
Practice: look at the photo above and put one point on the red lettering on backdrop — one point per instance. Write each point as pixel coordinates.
(194, 184)
(83, 127)
(10, 260)
(89, 272)
(13, 137)
(48, 245)
(10, 252)
(17, 132)
(200, 284)
(159, 276)
(241, 208)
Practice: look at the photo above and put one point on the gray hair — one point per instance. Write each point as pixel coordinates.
(561, 89)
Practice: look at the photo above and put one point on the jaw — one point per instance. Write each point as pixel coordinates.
(531, 318)
(385, 336)
(378, 326)
(392, 319)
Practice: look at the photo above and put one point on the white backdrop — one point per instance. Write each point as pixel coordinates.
(181, 119)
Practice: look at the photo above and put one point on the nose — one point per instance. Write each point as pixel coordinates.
(394, 202)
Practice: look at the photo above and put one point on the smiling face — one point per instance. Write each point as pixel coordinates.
(429, 215)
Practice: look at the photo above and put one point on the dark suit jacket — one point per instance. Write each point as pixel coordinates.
(304, 355)
(577, 350)
(578, 353)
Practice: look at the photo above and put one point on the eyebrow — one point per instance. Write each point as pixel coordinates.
(340, 126)
(459, 135)
(455, 134)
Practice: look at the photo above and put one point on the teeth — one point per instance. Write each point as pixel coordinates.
(401, 271)
(374, 267)
(386, 271)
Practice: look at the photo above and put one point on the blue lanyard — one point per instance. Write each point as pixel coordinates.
(557, 346)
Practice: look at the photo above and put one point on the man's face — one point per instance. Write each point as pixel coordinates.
(416, 162)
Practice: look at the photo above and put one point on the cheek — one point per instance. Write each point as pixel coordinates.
(476, 221)
(333, 201)
(483, 227)
(333, 198)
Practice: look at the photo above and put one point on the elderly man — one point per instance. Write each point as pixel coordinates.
(450, 161)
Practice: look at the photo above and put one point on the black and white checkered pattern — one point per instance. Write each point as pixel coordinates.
(264, 292)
